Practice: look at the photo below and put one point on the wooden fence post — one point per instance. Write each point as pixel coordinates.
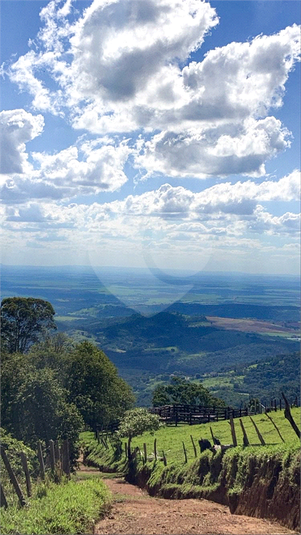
(234, 439)
(155, 448)
(288, 416)
(3, 502)
(258, 432)
(193, 444)
(12, 477)
(57, 451)
(129, 454)
(41, 461)
(277, 429)
(145, 452)
(185, 452)
(164, 458)
(52, 455)
(245, 436)
(66, 457)
(26, 472)
(212, 436)
(61, 457)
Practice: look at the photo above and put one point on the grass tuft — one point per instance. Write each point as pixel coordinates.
(72, 507)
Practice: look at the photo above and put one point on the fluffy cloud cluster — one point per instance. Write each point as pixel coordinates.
(224, 209)
(90, 168)
(240, 198)
(119, 67)
(17, 127)
(119, 47)
(242, 150)
(120, 72)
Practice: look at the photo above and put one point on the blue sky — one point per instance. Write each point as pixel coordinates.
(151, 133)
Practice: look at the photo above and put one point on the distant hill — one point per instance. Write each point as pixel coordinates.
(268, 378)
(239, 310)
(265, 379)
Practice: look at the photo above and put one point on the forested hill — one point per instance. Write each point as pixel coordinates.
(240, 310)
(262, 379)
(272, 376)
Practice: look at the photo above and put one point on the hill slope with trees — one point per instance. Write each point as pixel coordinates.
(54, 387)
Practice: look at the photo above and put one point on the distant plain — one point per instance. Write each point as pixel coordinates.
(213, 327)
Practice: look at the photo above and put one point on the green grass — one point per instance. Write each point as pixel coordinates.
(69, 508)
(170, 439)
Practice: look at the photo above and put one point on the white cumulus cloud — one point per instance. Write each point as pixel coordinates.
(17, 128)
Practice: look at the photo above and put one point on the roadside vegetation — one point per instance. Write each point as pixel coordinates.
(52, 388)
(67, 508)
(55, 387)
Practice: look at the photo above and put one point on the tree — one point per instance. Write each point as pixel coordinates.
(24, 320)
(95, 388)
(137, 421)
(182, 391)
(35, 405)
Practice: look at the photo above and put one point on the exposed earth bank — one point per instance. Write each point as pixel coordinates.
(135, 512)
(264, 486)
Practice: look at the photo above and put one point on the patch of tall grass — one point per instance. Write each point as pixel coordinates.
(69, 508)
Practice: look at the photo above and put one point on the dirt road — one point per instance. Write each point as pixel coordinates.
(134, 512)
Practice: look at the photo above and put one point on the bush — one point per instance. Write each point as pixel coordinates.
(137, 421)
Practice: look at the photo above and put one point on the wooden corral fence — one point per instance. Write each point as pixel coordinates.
(215, 445)
(278, 404)
(199, 414)
(196, 414)
(54, 460)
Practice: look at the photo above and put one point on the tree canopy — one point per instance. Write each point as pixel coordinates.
(51, 386)
(35, 404)
(179, 390)
(137, 421)
(23, 321)
(95, 387)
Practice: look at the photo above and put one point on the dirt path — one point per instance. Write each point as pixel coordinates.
(134, 512)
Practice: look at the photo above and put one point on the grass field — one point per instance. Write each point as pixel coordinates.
(250, 325)
(170, 439)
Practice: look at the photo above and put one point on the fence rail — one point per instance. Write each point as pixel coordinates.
(199, 414)
(196, 414)
(56, 461)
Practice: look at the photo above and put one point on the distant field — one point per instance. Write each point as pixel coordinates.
(255, 326)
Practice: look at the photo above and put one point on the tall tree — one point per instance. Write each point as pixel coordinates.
(34, 403)
(23, 321)
(181, 391)
(95, 387)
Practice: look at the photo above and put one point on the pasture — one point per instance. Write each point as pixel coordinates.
(170, 439)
